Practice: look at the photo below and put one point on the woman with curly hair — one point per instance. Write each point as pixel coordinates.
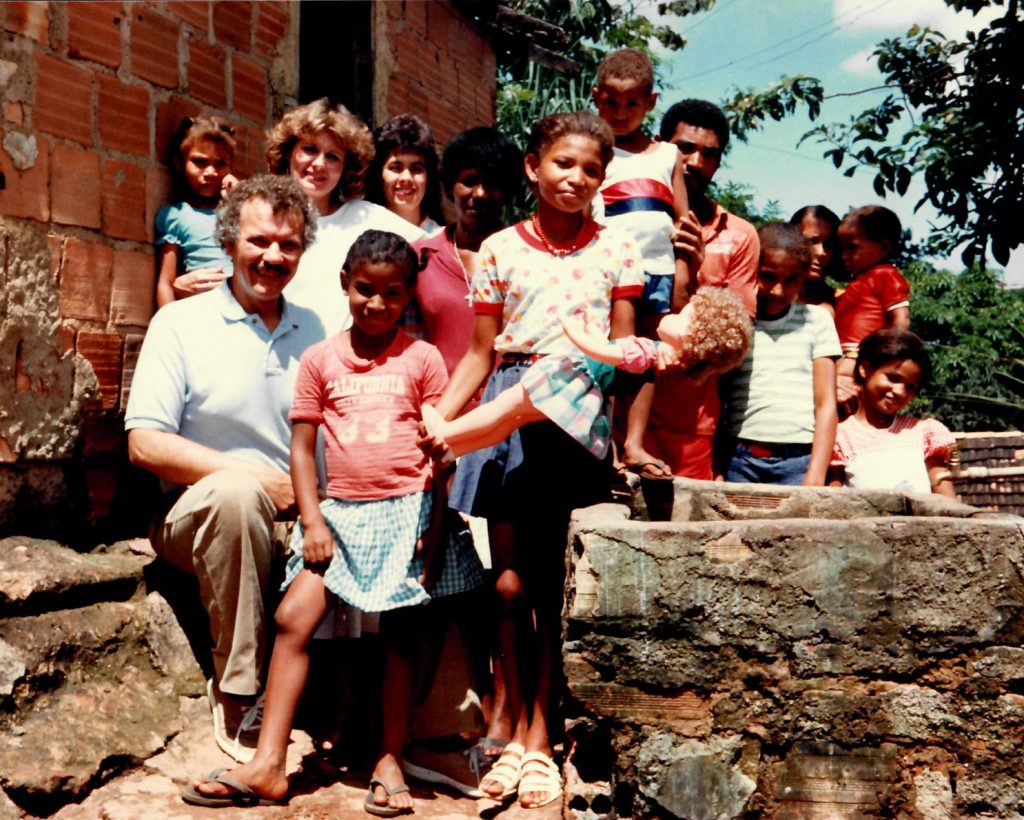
(327, 149)
(403, 175)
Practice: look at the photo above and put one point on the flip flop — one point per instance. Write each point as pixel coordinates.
(506, 771)
(371, 807)
(641, 469)
(241, 797)
(486, 743)
(540, 774)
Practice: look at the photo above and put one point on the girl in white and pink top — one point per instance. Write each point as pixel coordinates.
(877, 449)
(530, 276)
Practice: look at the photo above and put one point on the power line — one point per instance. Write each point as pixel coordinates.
(879, 4)
(717, 7)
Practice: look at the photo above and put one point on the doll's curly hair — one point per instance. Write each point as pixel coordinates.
(306, 121)
(719, 334)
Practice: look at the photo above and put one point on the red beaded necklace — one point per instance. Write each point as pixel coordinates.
(556, 250)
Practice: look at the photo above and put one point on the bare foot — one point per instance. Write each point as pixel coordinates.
(266, 781)
(388, 771)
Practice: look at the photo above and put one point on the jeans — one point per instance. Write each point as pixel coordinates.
(755, 463)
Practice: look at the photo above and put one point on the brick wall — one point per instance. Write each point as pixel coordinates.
(430, 60)
(92, 94)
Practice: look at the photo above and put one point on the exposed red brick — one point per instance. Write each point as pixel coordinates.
(63, 103)
(55, 244)
(195, 12)
(103, 350)
(14, 113)
(75, 186)
(158, 193)
(124, 200)
(414, 15)
(206, 72)
(26, 193)
(249, 88)
(272, 21)
(28, 18)
(168, 119)
(255, 150)
(154, 46)
(124, 116)
(85, 280)
(439, 18)
(133, 284)
(232, 22)
(94, 31)
(66, 336)
(132, 348)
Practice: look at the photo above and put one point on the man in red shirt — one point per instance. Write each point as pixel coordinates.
(685, 415)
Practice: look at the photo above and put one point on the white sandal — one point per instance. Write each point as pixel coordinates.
(540, 774)
(505, 771)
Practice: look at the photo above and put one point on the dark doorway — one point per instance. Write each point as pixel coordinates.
(336, 53)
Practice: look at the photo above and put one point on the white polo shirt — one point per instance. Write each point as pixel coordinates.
(214, 374)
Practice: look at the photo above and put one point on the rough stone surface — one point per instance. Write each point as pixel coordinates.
(169, 648)
(12, 668)
(35, 571)
(816, 664)
(22, 149)
(693, 779)
(42, 418)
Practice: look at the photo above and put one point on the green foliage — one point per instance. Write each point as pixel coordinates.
(748, 109)
(528, 91)
(954, 118)
(973, 325)
(739, 199)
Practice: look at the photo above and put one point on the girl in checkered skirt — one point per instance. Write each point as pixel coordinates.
(378, 540)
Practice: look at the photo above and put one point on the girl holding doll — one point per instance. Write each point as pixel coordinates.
(529, 277)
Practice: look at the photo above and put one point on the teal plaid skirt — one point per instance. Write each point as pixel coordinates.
(374, 566)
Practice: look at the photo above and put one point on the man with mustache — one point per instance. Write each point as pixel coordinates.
(685, 415)
(208, 414)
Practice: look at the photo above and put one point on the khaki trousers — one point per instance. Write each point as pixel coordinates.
(222, 530)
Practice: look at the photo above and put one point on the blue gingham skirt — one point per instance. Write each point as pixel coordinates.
(374, 566)
(570, 390)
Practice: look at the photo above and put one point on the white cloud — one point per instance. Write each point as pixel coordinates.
(861, 63)
(899, 15)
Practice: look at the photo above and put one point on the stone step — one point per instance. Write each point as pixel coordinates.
(37, 575)
(92, 671)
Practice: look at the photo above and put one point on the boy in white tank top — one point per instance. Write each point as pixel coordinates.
(644, 194)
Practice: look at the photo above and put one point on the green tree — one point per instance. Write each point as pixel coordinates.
(545, 70)
(973, 325)
(954, 117)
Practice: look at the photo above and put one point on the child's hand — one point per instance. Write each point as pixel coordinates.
(668, 359)
(317, 543)
(198, 281)
(227, 183)
(430, 548)
(687, 239)
(430, 436)
(847, 395)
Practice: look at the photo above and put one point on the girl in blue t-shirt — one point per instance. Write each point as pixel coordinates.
(190, 260)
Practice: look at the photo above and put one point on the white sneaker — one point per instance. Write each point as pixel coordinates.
(235, 728)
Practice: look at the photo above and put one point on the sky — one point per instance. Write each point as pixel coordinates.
(748, 44)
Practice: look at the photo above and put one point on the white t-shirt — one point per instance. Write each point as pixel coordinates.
(317, 283)
(770, 397)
